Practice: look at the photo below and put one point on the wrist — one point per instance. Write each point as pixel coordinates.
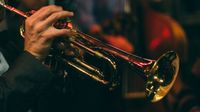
(36, 56)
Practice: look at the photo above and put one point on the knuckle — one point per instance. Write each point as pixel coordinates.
(37, 28)
(55, 7)
(52, 6)
(56, 16)
(59, 7)
(44, 8)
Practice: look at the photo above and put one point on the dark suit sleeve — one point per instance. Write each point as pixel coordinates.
(22, 82)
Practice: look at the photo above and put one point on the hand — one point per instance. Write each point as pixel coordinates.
(39, 30)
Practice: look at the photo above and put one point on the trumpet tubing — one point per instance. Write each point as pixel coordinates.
(159, 75)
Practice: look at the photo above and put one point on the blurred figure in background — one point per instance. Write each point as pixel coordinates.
(96, 15)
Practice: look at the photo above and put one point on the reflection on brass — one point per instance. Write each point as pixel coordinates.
(159, 74)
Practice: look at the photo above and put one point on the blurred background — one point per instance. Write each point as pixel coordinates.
(147, 28)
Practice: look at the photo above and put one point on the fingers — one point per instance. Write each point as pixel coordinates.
(53, 33)
(55, 17)
(44, 12)
(45, 18)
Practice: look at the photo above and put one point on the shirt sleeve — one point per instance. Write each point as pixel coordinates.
(3, 64)
(24, 79)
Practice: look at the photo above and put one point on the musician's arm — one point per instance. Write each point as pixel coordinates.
(23, 80)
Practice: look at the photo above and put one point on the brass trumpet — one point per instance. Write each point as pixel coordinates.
(160, 74)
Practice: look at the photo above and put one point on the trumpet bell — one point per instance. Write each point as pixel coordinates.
(162, 75)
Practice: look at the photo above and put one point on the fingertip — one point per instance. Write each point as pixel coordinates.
(71, 13)
(66, 32)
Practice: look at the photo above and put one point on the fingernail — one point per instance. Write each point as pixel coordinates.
(71, 13)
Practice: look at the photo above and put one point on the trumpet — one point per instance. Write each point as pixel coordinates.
(159, 74)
